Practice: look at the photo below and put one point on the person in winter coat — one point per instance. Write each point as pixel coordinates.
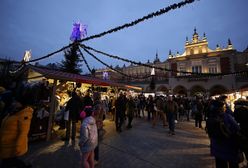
(197, 109)
(241, 116)
(171, 109)
(74, 106)
(150, 107)
(98, 110)
(160, 103)
(14, 134)
(222, 129)
(88, 138)
(120, 105)
(130, 108)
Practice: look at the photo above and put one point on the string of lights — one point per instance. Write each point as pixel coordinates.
(108, 66)
(144, 18)
(86, 63)
(134, 62)
(17, 70)
(118, 28)
(186, 74)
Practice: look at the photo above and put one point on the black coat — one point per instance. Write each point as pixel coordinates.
(74, 105)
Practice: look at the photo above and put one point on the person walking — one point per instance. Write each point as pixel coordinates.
(130, 107)
(120, 106)
(197, 110)
(159, 112)
(88, 138)
(171, 108)
(150, 107)
(142, 104)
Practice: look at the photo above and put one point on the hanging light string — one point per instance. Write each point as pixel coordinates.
(18, 69)
(126, 25)
(108, 66)
(144, 18)
(136, 63)
(84, 60)
(194, 74)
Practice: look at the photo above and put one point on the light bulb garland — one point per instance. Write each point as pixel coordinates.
(86, 63)
(142, 19)
(192, 74)
(108, 66)
(118, 28)
(139, 63)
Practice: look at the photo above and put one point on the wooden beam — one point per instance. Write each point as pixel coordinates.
(52, 111)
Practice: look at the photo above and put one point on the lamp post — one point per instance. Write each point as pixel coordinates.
(153, 83)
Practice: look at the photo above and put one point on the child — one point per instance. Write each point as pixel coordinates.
(88, 137)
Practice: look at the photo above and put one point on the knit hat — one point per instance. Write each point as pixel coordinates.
(86, 112)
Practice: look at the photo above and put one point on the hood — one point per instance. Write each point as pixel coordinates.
(89, 120)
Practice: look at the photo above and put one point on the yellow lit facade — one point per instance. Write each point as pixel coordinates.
(198, 58)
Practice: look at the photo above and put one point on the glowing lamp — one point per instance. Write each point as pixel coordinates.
(27, 56)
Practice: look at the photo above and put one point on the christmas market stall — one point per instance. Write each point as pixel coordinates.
(53, 83)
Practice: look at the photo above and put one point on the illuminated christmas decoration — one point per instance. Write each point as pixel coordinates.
(105, 75)
(79, 31)
(27, 56)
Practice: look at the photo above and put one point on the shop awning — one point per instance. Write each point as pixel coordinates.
(59, 75)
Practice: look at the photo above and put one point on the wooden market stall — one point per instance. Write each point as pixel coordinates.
(55, 77)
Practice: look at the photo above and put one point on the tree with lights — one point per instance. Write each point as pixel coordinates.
(72, 60)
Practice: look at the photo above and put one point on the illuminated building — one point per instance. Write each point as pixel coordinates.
(197, 58)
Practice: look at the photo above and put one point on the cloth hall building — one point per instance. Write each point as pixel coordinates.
(197, 58)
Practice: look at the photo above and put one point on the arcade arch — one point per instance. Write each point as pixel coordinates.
(217, 90)
(197, 90)
(180, 90)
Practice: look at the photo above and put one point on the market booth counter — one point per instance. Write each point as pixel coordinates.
(39, 124)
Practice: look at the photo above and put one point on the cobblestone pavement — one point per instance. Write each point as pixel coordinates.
(139, 147)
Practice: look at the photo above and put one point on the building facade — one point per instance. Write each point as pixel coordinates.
(197, 58)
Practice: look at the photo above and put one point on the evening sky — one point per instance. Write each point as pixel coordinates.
(45, 26)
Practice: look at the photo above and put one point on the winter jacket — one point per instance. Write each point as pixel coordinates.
(14, 133)
(130, 108)
(74, 105)
(226, 149)
(120, 105)
(241, 116)
(88, 135)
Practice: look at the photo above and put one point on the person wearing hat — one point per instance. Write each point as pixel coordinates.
(88, 137)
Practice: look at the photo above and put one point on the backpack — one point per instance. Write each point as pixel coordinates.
(216, 128)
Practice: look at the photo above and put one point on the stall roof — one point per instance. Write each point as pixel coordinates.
(59, 75)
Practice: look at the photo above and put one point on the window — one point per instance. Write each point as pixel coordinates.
(212, 69)
(197, 69)
(182, 69)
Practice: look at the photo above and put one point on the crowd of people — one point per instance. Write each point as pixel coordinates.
(227, 129)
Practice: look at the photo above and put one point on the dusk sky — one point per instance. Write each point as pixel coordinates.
(45, 26)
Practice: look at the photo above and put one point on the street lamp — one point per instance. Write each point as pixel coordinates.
(153, 84)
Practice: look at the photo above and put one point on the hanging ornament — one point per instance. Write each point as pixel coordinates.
(27, 56)
(79, 31)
